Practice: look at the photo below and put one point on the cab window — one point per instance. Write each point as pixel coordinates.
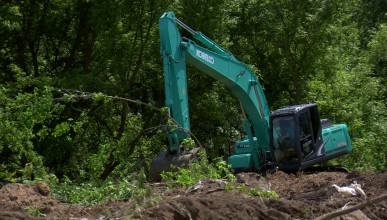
(284, 139)
(305, 132)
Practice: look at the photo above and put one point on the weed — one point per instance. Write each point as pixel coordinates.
(197, 170)
(255, 191)
(188, 143)
(97, 192)
(33, 211)
(229, 186)
(262, 193)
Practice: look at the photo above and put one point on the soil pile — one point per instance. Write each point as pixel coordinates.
(20, 201)
(305, 197)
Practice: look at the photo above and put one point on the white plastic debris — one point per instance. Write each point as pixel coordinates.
(354, 189)
(195, 187)
(345, 190)
(358, 189)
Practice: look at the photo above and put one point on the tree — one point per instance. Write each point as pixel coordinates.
(285, 40)
(348, 91)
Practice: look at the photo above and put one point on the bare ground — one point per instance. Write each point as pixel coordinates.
(303, 197)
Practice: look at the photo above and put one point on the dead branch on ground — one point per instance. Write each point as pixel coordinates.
(366, 203)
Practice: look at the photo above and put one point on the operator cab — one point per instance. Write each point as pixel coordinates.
(295, 134)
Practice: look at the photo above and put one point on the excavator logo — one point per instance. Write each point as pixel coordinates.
(205, 56)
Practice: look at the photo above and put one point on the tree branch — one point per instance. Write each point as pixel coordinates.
(338, 213)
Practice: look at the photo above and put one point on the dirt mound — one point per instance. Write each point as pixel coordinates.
(222, 205)
(302, 197)
(20, 201)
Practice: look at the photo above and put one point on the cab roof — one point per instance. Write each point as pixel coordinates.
(290, 110)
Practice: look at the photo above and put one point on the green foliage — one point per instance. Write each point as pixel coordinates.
(252, 191)
(21, 116)
(284, 41)
(97, 192)
(377, 58)
(221, 126)
(348, 92)
(188, 143)
(263, 193)
(33, 211)
(198, 170)
(257, 192)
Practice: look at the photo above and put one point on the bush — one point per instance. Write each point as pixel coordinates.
(97, 192)
(197, 170)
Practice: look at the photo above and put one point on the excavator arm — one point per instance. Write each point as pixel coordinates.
(219, 64)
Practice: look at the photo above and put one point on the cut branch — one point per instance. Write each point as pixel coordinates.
(364, 204)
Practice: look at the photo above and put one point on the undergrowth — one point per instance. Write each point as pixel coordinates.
(97, 192)
(253, 191)
(33, 211)
(198, 169)
(201, 169)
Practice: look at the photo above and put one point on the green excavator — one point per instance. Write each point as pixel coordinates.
(288, 139)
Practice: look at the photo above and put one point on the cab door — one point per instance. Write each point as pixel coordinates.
(305, 134)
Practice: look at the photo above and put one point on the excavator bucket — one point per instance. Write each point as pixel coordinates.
(168, 162)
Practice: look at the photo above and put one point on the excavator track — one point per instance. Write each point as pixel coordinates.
(318, 169)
